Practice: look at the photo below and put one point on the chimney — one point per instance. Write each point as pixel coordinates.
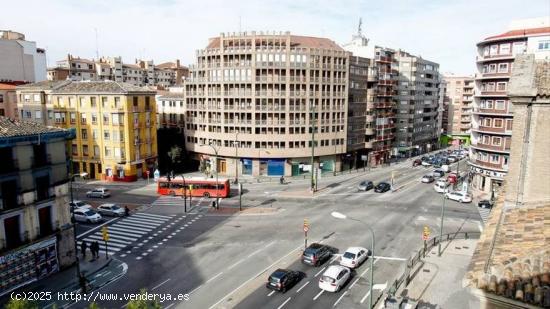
(177, 63)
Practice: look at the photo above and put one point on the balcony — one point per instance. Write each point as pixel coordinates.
(493, 93)
(500, 148)
(486, 58)
(41, 161)
(369, 131)
(492, 130)
(492, 111)
(496, 166)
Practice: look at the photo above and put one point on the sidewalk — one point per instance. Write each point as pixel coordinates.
(61, 284)
(437, 282)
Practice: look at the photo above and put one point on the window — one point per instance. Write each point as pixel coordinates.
(36, 98)
(486, 51)
(505, 49)
(498, 123)
(495, 158)
(103, 101)
(486, 139)
(74, 149)
(72, 117)
(117, 102)
(497, 140)
(487, 122)
(107, 151)
(492, 68)
(94, 118)
(81, 102)
(84, 134)
(105, 118)
(489, 104)
(106, 135)
(500, 104)
(1, 98)
(94, 134)
(85, 150)
(93, 102)
(501, 86)
(503, 68)
(115, 119)
(494, 50)
(96, 151)
(83, 119)
(543, 45)
(38, 115)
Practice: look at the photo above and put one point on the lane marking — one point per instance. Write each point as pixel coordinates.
(195, 289)
(303, 286)
(334, 258)
(317, 296)
(317, 274)
(254, 277)
(480, 226)
(163, 282)
(286, 301)
(354, 282)
(169, 306)
(388, 258)
(340, 298)
(271, 293)
(95, 228)
(365, 297)
(216, 276)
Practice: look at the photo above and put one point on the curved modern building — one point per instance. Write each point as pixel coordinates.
(492, 115)
(254, 98)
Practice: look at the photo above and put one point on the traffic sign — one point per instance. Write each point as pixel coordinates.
(105, 233)
(426, 233)
(306, 225)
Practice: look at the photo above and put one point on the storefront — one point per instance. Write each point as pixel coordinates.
(276, 167)
(28, 264)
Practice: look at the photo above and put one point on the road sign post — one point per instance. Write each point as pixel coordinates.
(306, 229)
(240, 196)
(105, 234)
(425, 237)
(190, 196)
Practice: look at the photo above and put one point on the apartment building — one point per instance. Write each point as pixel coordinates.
(36, 233)
(459, 97)
(8, 102)
(21, 60)
(171, 111)
(492, 119)
(141, 73)
(116, 137)
(260, 98)
(417, 94)
(443, 116)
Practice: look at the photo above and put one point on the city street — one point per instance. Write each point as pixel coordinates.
(223, 259)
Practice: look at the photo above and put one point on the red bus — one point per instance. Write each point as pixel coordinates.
(199, 187)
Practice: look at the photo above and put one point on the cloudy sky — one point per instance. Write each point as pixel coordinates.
(163, 30)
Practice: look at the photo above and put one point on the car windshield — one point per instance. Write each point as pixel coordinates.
(115, 207)
(90, 213)
(328, 279)
(78, 204)
(349, 255)
(274, 279)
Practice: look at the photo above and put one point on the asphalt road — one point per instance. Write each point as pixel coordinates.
(223, 260)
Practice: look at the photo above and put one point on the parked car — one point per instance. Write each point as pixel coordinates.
(452, 178)
(441, 186)
(382, 187)
(437, 163)
(426, 163)
(111, 210)
(365, 185)
(99, 192)
(417, 162)
(87, 215)
(438, 173)
(427, 178)
(452, 159)
(283, 279)
(316, 254)
(334, 278)
(354, 256)
(459, 196)
(79, 204)
(446, 168)
(485, 204)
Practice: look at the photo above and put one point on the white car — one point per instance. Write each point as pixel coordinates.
(426, 163)
(354, 256)
(446, 168)
(452, 159)
(111, 210)
(334, 278)
(441, 186)
(79, 204)
(459, 196)
(87, 215)
(99, 192)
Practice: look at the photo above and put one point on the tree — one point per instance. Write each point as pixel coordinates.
(142, 303)
(174, 155)
(21, 304)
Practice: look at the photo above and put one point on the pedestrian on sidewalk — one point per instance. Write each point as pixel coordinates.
(126, 211)
(95, 249)
(83, 248)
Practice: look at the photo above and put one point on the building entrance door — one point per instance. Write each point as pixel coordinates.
(222, 167)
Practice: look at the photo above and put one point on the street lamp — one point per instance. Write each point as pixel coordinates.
(236, 158)
(338, 215)
(216, 163)
(79, 276)
(441, 226)
(184, 194)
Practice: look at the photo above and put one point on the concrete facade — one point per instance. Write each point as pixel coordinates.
(492, 121)
(458, 97)
(21, 60)
(8, 101)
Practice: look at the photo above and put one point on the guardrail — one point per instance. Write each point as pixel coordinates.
(420, 254)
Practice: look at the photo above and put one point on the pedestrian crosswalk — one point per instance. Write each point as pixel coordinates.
(484, 213)
(177, 201)
(126, 231)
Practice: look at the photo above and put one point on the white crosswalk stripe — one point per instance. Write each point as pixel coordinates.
(484, 213)
(125, 232)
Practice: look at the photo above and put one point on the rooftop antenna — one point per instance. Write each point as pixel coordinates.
(359, 30)
(96, 45)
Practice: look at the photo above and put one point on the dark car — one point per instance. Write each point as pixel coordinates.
(365, 185)
(485, 204)
(283, 279)
(438, 173)
(316, 254)
(417, 162)
(382, 187)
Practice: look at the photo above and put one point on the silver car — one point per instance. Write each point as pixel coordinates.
(365, 185)
(99, 192)
(111, 210)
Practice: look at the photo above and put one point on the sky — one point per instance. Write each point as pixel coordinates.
(164, 30)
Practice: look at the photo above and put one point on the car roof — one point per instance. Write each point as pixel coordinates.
(315, 246)
(355, 250)
(108, 204)
(279, 273)
(333, 270)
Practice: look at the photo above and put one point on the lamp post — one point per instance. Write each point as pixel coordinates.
(215, 163)
(236, 158)
(441, 225)
(81, 279)
(338, 215)
(184, 195)
(312, 121)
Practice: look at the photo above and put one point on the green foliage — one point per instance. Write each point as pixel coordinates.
(143, 304)
(175, 154)
(94, 306)
(21, 304)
